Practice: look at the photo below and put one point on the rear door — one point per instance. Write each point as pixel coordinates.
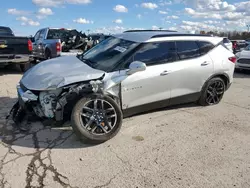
(189, 74)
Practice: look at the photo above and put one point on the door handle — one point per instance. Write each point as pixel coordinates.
(205, 63)
(164, 73)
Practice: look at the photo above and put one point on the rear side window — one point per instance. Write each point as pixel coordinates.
(187, 49)
(226, 40)
(205, 47)
(156, 53)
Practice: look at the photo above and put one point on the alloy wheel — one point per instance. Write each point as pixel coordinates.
(215, 92)
(98, 117)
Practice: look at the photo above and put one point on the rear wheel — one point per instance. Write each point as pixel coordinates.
(48, 54)
(25, 67)
(212, 92)
(96, 118)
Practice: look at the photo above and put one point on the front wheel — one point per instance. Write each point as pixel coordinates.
(212, 92)
(96, 118)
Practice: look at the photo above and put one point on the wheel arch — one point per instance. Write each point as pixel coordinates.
(223, 76)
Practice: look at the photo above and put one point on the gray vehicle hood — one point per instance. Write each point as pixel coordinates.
(58, 72)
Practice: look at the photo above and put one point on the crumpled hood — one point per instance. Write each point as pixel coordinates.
(59, 72)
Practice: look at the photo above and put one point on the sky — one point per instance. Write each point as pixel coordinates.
(26, 17)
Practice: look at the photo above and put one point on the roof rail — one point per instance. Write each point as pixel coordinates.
(149, 30)
(179, 35)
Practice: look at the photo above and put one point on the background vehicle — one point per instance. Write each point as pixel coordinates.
(51, 42)
(14, 50)
(126, 74)
(243, 59)
(248, 41)
(239, 45)
(228, 44)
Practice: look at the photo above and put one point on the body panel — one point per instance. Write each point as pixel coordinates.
(188, 76)
(146, 87)
(222, 65)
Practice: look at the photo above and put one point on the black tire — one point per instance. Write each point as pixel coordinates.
(206, 92)
(85, 135)
(25, 67)
(48, 54)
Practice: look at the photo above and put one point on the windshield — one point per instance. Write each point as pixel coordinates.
(108, 53)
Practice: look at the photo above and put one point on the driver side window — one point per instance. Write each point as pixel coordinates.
(155, 53)
(36, 37)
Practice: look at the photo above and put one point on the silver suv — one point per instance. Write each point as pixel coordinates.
(126, 74)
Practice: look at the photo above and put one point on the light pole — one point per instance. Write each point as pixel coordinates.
(248, 27)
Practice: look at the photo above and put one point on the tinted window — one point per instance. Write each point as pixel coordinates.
(226, 40)
(187, 49)
(205, 47)
(42, 33)
(156, 53)
(37, 36)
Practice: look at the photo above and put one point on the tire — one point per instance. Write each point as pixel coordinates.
(80, 122)
(25, 67)
(47, 54)
(208, 93)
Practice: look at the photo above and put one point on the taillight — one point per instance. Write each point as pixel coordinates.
(232, 59)
(58, 47)
(29, 45)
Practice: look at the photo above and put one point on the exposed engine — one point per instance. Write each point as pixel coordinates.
(48, 100)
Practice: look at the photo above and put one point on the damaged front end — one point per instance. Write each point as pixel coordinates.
(55, 105)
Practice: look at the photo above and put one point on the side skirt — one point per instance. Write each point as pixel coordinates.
(161, 104)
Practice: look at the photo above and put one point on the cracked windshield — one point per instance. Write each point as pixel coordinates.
(125, 94)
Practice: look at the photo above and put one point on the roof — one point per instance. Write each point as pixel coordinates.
(143, 36)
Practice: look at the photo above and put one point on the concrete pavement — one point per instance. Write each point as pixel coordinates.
(184, 146)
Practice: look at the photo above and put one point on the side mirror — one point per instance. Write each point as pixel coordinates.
(136, 66)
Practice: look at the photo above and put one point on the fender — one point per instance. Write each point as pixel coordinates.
(224, 76)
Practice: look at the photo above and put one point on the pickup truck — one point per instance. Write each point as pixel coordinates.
(54, 42)
(14, 50)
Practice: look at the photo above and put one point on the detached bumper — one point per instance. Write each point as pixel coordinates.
(11, 58)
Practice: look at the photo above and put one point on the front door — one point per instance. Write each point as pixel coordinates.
(152, 85)
(40, 44)
(35, 44)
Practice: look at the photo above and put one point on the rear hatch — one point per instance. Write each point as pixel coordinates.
(11, 45)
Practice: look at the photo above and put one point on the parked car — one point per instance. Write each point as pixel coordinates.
(51, 42)
(238, 45)
(228, 44)
(124, 75)
(248, 41)
(13, 49)
(243, 59)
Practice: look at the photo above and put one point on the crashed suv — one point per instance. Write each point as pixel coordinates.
(123, 75)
